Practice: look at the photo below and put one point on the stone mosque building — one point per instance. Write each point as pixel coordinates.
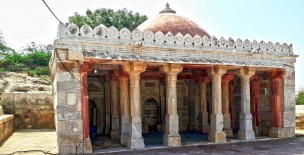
(169, 75)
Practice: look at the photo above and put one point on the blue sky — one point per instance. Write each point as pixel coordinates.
(268, 20)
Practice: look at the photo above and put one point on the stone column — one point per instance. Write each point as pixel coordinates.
(135, 140)
(204, 112)
(171, 136)
(245, 132)
(107, 93)
(225, 104)
(114, 109)
(124, 106)
(255, 103)
(276, 104)
(289, 114)
(216, 133)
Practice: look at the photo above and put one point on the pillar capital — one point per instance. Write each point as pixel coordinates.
(85, 67)
(246, 72)
(276, 74)
(121, 74)
(171, 68)
(227, 77)
(134, 67)
(217, 70)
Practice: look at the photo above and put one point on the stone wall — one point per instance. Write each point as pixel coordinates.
(265, 100)
(6, 125)
(182, 104)
(31, 110)
(150, 101)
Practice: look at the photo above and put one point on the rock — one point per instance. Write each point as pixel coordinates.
(23, 89)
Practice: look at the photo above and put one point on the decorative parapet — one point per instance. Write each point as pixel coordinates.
(102, 34)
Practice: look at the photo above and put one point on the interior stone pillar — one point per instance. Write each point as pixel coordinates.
(204, 112)
(255, 104)
(135, 139)
(171, 136)
(107, 93)
(225, 104)
(124, 106)
(276, 104)
(85, 108)
(115, 135)
(216, 133)
(245, 132)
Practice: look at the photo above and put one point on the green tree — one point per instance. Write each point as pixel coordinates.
(300, 97)
(108, 17)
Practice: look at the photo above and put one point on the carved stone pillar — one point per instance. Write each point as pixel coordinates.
(124, 105)
(114, 109)
(85, 107)
(205, 114)
(171, 136)
(225, 104)
(135, 140)
(107, 93)
(255, 103)
(216, 133)
(289, 113)
(245, 132)
(276, 104)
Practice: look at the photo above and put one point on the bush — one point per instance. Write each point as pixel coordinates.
(300, 97)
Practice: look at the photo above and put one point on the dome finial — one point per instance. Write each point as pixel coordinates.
(167, 9)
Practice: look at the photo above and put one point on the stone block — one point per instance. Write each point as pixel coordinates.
(217, 137)
(70, 138)
(7, 102)
(246, 134)
(66, 65)
(75, 55)
(135, 143)
(172, 140)
(76, 126)
(63, 127)
(61, 98)
(69, 87)
(67, 77)
(71, 98)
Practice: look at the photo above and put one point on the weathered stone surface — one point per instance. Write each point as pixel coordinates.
(172, 140)
(217, 137)
(6, 126)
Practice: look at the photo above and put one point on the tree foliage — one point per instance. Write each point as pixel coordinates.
(34, 58)
(108, 17)
(300, 97)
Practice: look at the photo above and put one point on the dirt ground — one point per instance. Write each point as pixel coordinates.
(31, 142)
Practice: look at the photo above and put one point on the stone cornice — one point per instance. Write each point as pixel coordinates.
(112, 35)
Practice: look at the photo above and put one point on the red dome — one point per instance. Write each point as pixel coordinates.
(167, 21)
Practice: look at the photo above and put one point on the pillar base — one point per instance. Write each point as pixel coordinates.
(115, 135)
(172, 140)
(135, 143)
(205, 129)
(87, 147)
(124, 139)
(246, 135)
(217, 137)
(228, 132)
(277, 132)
